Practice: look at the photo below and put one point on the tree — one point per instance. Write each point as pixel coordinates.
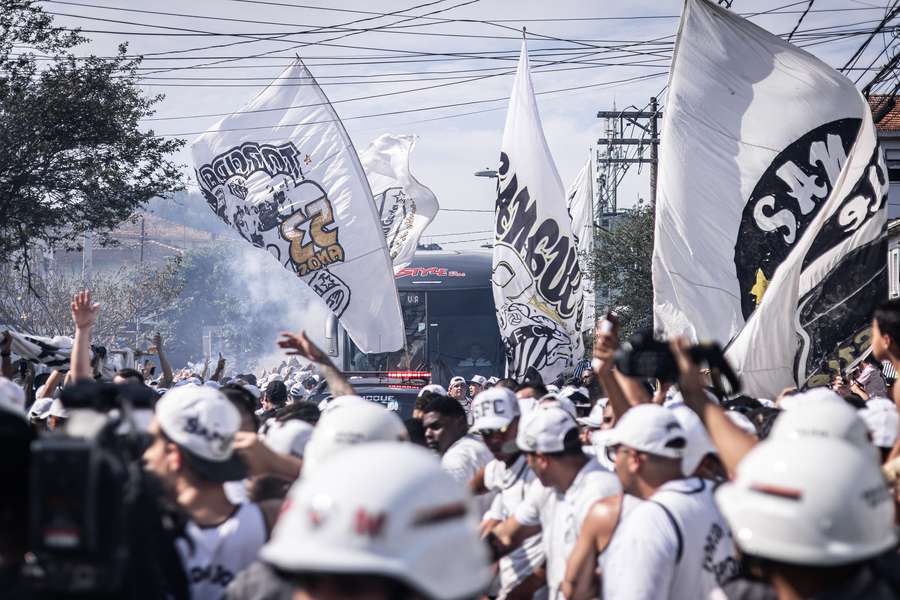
(126, 296)
(621, 263)
(72, 155)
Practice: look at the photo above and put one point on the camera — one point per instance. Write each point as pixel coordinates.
(644, 356)
(98, 527)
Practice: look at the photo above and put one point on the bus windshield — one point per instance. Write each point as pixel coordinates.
(448, 332)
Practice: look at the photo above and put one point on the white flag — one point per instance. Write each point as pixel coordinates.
(406, 207)
(772, 189)
(580, 201)
(536, 276)
(285, 175)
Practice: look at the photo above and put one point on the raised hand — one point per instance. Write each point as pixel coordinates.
(84, 311)
(606, 341)
(300, 345)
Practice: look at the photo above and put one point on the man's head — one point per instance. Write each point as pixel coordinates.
(244, 401)
(123, 376)
(457, 388)
(548, 436)
(476, 385)
(444, 422)
(495, 414)
(886, 331)
(596, 420)
(192, 434)
(57, 416)
(275, 395)
(647, 446)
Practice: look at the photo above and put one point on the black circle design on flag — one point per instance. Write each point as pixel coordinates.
(784, 202)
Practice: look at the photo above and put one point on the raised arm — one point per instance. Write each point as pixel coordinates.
(606, 342)
(732, 442)
(6, 367)
(300, 345)
(220, 369)
(84, 314)
(164, 365)
(50, 385)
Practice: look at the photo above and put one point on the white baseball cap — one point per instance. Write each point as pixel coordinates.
(434, 389)
(40, 409)
(594, 420)
(479, 379)
(812, 501)
(561, 401)
(880, 416)
(298, 391)
(493, 409)
(456, 380)
(254, 391)
(649, 428)
(698, 443)
(347, 421)
(822, 414)
(579, 395)
(544, 429)
(289, 437)
(58, 410)
(12, 397)
(202, 422)
(816, 394)
(411, 523)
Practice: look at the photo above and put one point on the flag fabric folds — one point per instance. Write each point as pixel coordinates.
(405, 206)
(536, 277)
(580, 201)
(770, 218)
(283, 172)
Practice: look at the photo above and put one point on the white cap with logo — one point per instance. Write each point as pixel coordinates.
(202, 422)
(594, 420)
(544, 430)
(493, 409)
(649, 428)
(479, 379)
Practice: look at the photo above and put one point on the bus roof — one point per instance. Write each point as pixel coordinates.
(446, 269)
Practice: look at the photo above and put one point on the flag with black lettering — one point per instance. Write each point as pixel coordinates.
(283, 172)
(405, 206)
(770, 218)
(580, 199)
(536, 276)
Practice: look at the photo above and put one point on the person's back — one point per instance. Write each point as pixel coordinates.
(680, 530)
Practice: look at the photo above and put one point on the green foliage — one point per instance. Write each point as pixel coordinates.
(72, 155)
(621, 262)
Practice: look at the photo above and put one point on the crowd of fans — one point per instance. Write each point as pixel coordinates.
(290, 485)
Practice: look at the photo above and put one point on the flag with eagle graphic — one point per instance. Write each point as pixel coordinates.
(771, 213)
(536, 276)
(283, 172)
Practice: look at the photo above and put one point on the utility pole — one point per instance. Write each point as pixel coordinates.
(609, 155)
(142, 239)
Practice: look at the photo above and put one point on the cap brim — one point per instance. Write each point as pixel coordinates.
(589, 422)
(484, 423)
(232, 469)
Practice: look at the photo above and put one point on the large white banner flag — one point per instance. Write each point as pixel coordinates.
(769, 225)
(283, 172)
(406, 207)
(536, 276)
(580, 201)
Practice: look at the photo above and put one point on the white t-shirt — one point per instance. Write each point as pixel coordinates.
(463, 460)
(219, 553)
(561, 514)
(674, 545)
(510, 484)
